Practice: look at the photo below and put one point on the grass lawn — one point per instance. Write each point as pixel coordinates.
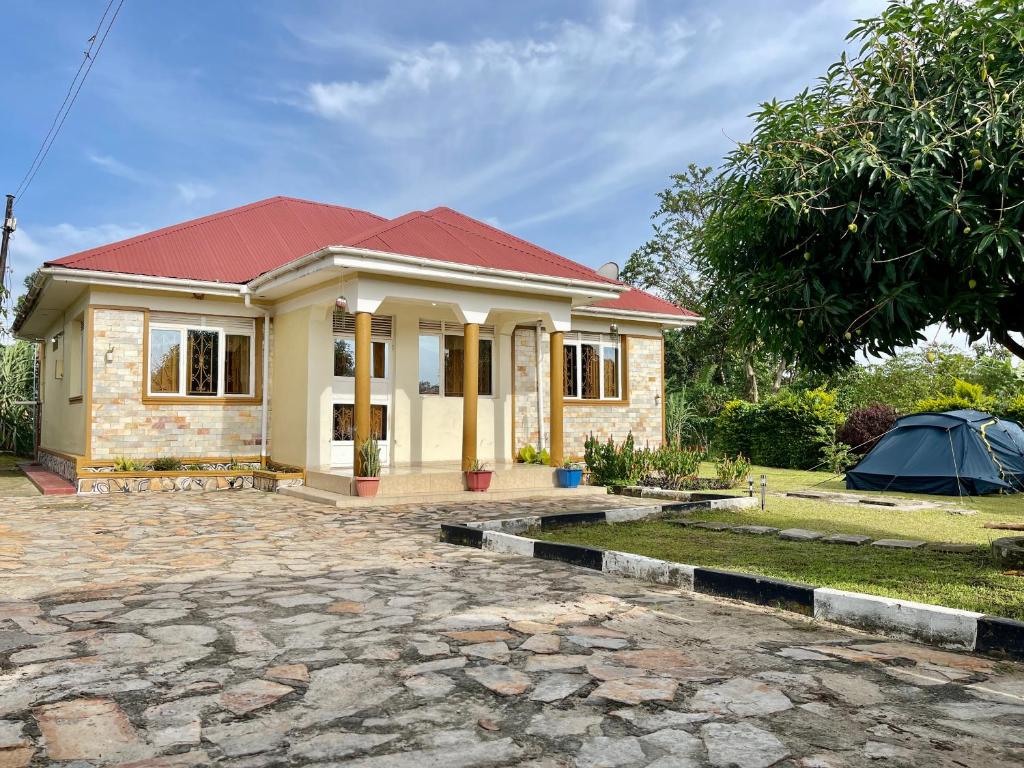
(970, 581)
(12, 482)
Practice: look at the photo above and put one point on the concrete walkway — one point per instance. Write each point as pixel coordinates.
(240, 628)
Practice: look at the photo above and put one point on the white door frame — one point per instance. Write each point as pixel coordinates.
(381, 393)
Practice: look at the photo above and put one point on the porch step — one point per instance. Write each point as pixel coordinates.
(343, 501)
(434, 481)
(48, 483)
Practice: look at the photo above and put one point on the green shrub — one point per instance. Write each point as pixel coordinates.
(963, 395)
(675, 463)
(781, 431)
(17, 422)
(612, 464)
(730, 471)
(733, 428)
(124, 464)
(167, 464)
(530, 455)
(1014, 409)
(369, 455)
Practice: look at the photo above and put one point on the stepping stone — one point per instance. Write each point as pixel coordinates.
(800, 534)
(252, 694)
(714, 526)
(899, 543)
(480, 635)
(496, 651)
(803, 495)
(86, 729)
(741, 746)
(952, 548)
(852, 539)
(501, 680)
(542, 644)
(757, 530)
(742, 697)
(684, 523)
(557, 686)
(634, 690)
(288, 674)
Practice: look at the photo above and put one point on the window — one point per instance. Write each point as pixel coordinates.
(201, 357)
(345, 422)
(593, 369)
(345, 345)
(443, 359)
(430, 365)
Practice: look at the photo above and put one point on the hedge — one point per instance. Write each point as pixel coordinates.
(784, 430)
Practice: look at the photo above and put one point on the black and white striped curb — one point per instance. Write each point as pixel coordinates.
(932, 624)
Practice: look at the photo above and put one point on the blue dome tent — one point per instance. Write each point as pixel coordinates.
(950, 454)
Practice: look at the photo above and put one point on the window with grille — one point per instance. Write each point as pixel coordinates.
(345, 422)
(199, 356)
(442, 351)
(593, 368)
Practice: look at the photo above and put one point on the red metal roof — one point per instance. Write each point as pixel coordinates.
(635, 300)
(239, 244)
(232, 246)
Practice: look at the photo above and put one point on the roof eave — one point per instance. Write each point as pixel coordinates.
(348, 257)
(663, 318)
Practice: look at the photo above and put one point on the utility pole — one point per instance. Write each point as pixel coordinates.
(9, 226)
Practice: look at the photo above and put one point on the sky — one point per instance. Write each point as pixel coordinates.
(556, 121)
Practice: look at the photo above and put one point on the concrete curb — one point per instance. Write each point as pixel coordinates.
(902, 619)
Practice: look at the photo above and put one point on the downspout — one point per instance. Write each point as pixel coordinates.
(540, 392)
(265, 394)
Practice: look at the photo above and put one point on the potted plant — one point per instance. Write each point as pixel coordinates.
(569, 474)
(368, 483)
(478, 479)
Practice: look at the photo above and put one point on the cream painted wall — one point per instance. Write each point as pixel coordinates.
(63, 427)
(289, 373)
(429, 427)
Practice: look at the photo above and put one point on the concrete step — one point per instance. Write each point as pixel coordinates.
(343, 501)
(433, 481)
(48, 483)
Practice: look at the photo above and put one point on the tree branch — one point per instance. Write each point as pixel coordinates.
(1004, 338)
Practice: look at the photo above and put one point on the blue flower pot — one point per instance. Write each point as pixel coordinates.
(569, 478)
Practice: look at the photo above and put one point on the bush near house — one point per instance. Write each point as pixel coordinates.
(781, 431)
(864, 426)
(17, 364)
(963, 395)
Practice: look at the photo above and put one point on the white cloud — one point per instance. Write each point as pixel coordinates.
(191, 191)
(572, 114)
(115, 167)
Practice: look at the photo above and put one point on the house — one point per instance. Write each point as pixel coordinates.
(293, 330)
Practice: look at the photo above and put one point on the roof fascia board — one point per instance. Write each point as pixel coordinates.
(430, 269)
(150, 282)
(674, 321)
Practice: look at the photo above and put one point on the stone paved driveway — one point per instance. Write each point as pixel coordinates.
(245, 629)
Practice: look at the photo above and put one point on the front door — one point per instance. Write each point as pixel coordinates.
(343, 423)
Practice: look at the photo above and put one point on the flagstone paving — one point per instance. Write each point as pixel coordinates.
(247, 629)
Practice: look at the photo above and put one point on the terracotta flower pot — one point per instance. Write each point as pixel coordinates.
(478, 481)
(367, 486)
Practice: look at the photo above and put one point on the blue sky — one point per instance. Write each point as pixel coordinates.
(558, 121)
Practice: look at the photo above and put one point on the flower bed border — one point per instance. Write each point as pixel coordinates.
(903, 619)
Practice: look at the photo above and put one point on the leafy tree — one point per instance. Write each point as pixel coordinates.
(887, 198)
(695, 358)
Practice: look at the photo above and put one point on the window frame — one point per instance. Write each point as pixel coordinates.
(456, 329)
(208, 324)
(388, 353)
(614, 342)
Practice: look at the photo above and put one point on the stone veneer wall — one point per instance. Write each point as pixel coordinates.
(122, 425)
(59, 465)
(642, 414)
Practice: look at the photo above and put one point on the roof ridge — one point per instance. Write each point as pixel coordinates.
(385, 226)
(561, 260)
(319, 204)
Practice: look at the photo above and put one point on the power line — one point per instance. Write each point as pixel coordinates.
(86, 55)
(88, 59)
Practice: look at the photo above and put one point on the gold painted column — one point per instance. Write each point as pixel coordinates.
(362, 399)
(470, 382)
(557, 366)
